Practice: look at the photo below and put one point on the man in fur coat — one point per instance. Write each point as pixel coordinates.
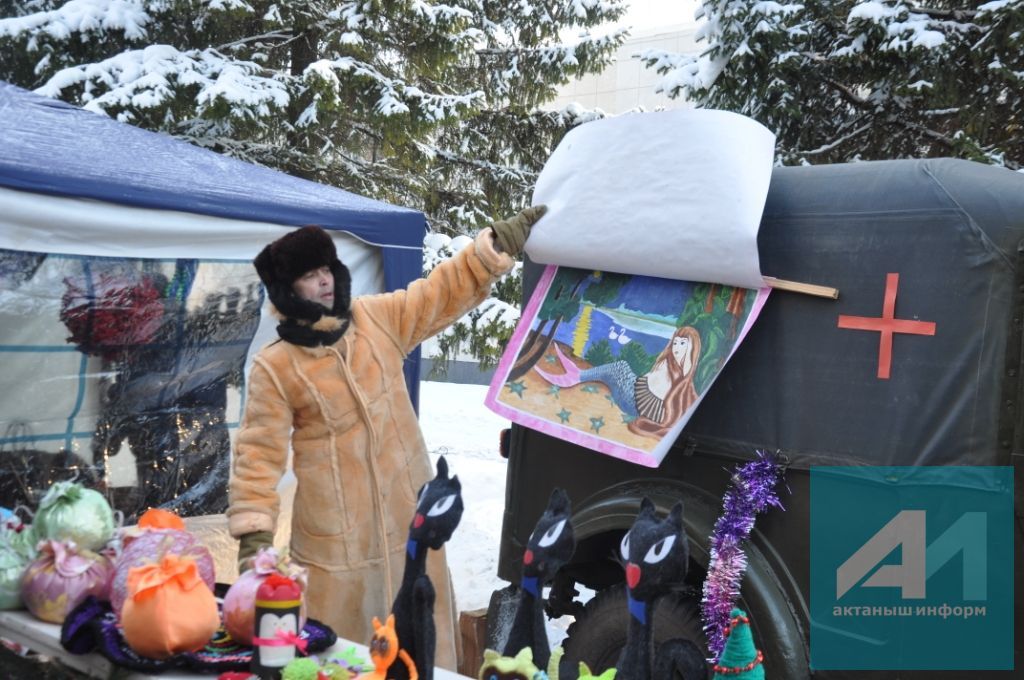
(332, 390)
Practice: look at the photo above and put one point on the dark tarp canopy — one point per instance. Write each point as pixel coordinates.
(951, 230)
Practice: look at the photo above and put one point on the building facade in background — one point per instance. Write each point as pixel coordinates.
(627, 83)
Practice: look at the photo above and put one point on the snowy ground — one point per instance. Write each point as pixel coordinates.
(456, 423)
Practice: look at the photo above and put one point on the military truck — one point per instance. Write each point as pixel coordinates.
(804, 387)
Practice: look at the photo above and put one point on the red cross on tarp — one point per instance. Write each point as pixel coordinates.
(887, 324)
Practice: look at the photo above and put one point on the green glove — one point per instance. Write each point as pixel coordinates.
(510, 235)
(250, 544)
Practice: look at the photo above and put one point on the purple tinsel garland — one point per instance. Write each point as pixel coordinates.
(751, 490)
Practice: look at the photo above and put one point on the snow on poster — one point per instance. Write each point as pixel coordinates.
(618, 363)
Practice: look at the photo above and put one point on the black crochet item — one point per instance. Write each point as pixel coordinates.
(92, 627)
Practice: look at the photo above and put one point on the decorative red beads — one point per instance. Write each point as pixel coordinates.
(736, 670)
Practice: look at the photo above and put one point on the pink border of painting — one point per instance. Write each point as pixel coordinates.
(605, 446)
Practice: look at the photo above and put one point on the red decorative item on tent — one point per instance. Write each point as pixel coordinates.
(116, 312)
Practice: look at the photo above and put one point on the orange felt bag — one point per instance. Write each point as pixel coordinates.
(158, 518)
(169, 609)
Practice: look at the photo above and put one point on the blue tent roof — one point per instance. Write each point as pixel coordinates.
(53, 148)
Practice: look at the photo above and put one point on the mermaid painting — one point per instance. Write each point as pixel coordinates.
(654, 401)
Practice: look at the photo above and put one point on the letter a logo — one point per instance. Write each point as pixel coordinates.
(907, 529)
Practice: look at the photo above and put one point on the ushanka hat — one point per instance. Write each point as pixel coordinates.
(280, 263)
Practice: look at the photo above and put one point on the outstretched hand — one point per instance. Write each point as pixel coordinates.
(250, 544)
(510, 235)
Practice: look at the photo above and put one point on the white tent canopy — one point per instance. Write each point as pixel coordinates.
(129, 307)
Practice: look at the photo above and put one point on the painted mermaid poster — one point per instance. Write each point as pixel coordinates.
(617, 363)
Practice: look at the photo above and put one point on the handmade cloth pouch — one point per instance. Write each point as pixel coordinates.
(92, 626)
(149, 547)
(158, 518)
(62, 577)
(240, 600)
(71, 512)
(169, 608)
(17, 550)
(12, 568)
(20, 536)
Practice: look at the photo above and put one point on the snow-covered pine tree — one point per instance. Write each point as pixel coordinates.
(424, 103)
(518, 63)
(840, 80)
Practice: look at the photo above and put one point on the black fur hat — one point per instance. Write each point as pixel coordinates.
(294, 254)
(280, 263)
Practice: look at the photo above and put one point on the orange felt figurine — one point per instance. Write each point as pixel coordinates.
(169, 609)
(384, 650)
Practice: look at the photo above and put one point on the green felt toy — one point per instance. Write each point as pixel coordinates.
(740, 659)
(300, 669)
(587, 674)
(310, 669)
(332, 671)
(350, 659)
(519, 667)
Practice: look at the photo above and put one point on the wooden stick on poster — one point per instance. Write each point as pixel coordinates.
(806, 288)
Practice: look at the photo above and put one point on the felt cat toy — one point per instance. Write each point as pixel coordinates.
(438, 511)
(587, 674)
(550, 546)
(386, 652)
(656, 555)
(518, 667)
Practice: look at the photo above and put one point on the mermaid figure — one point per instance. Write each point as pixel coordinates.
(655, 400)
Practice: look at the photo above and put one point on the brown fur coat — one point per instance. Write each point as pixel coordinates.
(359, 455)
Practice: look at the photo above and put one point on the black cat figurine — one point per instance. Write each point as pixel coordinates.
(438, 511)
(656, 556)
(551, 545)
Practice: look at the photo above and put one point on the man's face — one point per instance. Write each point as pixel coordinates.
(316, 285)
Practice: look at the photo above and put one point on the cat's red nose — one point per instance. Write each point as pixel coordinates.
(418, 521)
(528, 557)
(632, 575)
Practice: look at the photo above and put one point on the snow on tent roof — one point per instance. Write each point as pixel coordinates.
(52, 147)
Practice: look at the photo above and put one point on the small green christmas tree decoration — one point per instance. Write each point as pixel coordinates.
(740, 659)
